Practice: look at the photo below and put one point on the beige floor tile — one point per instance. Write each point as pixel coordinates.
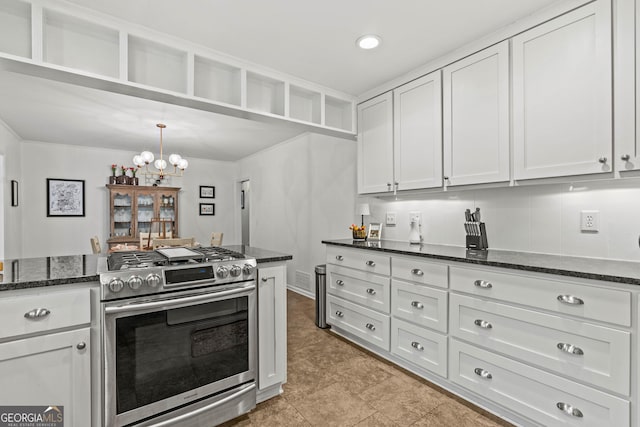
(377, 420)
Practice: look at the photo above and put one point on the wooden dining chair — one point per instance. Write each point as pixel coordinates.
(186, 242)
(146, 242)
(216, 239)
(95, 245)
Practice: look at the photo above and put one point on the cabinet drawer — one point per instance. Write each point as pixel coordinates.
(367, 289)
(65, 308)
(416, 270)
(607, 305)
(425, 348)
(366, 324)
(368, 261)
(535, 394)
(590, 353)
(419, 304)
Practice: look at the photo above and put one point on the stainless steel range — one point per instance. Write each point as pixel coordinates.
(178, 337)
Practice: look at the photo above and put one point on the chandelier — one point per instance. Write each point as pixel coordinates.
(146, 157)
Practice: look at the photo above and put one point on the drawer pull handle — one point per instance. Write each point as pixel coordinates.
(417, 304)
(483, 373)
(569, 410)
(339, 313)
(417, 272)
(570, 299)
(570, 348)
(483, 284)
(371, 291)
(371, 263)
(37, 313)
(81, 346)
(417, 345)
(339, 257)
(483, 324)
(339, 282)
(370, 326)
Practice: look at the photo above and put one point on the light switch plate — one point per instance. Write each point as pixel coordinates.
(391, 218)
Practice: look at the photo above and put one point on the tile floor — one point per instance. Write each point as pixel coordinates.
(331, 382)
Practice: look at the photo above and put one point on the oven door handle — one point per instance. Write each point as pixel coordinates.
(168, 303)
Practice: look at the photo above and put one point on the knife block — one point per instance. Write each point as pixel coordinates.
(478, 241)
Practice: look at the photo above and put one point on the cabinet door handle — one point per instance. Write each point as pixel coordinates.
(602, 160)
(370, 263)
(483, 373)
(570, 299)
(483, 284)
(625, 158)
(370, 326)
(81, 345)
(339, 282)
(371, 291)
(339, 313)
(569, 410)
(417, 345)
(570, 348)
(339, 257)
(417, 272)
(37, 313)
(483, 324)
(265, 279)
(388, 186)
(417, 304)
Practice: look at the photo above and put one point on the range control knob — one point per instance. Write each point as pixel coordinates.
(247, 269)
(116, 285)
(222, 272)
(235, 270)
(134, 282)
(153, 280)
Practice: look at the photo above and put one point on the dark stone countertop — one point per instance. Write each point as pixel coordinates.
(62, 270)
(587, 268)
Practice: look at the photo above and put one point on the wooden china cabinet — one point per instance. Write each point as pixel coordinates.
(133, 207)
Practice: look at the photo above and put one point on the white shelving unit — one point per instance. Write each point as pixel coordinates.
(55, 36)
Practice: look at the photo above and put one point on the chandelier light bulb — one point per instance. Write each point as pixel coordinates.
(137, 160)
(174, 159)
(147, 157)
(160, 164)
(183, 164)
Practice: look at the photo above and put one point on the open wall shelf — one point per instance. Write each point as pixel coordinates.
(53, 34)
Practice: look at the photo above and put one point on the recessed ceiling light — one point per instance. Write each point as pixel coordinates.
(368, 41)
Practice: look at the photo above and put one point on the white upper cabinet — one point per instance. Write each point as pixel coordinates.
(476, 117)
(375, 144)
(417, 130)
(562, 102)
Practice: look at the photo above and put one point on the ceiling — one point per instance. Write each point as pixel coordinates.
(311, 40)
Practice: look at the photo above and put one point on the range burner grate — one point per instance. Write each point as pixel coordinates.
(216, 253)
(144, 259)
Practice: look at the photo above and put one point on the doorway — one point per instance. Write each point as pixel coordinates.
(245, 208)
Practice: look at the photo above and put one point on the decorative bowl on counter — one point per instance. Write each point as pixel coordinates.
(359, 232)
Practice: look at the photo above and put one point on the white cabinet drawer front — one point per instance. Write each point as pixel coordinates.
(533, 393)
(607, 305)
(366, 289)
(424, 348)
(589, 353)
(362, 260)
(416, 270)
(419, 304)
(37, 313)
(366, 324)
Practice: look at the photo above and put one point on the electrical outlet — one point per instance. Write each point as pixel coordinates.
(415, 217)
(589, 221)
(391, 218)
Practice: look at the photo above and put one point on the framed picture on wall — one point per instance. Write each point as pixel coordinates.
(375, 231)
(65, 197)
(207, 209)
(207, 192)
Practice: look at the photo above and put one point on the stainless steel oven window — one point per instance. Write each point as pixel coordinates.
(166, 352)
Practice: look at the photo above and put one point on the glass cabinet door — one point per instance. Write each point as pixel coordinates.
(167, 213)
(146, 209)
(121, 215)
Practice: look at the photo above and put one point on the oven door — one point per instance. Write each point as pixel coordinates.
(164, 352)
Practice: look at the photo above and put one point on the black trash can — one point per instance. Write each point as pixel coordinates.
(321, 296)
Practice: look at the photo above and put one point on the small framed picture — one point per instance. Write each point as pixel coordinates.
(65, 197)
(207, 209)
(375, 231)
(207, 192)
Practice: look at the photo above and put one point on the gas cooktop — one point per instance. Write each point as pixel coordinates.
(169, 256)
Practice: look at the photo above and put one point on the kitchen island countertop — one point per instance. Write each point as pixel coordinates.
(26, 273)
(587, 268)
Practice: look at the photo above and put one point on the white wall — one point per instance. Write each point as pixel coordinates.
(10, 149)
(44, 236)
(302, 191)
(540, 218)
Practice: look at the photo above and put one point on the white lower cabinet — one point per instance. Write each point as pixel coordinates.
(369, 290)
(424, 306)
(420, 346)
(272, 327)
(538, 395)
(365, 324)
